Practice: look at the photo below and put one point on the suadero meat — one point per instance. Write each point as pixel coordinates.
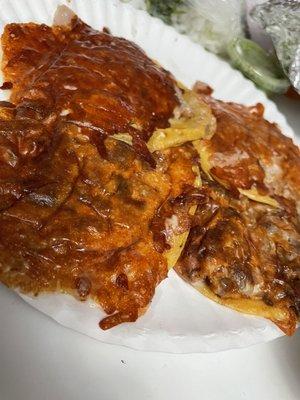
(75, 203)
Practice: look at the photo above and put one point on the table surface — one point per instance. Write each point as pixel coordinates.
(41, 360)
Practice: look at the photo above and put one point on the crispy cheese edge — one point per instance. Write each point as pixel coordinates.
(282, 317)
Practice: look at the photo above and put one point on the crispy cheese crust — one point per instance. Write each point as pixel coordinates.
(77, 203)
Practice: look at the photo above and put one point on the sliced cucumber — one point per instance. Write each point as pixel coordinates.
(257, 65)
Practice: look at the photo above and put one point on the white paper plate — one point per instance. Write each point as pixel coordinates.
(179, 319)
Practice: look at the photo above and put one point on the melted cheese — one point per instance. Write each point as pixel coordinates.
(204, 155)
(193, 120)
(177, 242)
(253, 194)
(123, 137)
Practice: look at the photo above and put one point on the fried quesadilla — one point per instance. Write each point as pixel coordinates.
(80, 188)
(243, 250)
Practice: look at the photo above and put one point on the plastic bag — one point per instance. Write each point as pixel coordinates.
(212, 23)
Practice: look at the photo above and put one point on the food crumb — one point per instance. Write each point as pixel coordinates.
(6, 86)
(106, 30)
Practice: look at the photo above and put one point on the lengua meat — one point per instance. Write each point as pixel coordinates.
(76, 204)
